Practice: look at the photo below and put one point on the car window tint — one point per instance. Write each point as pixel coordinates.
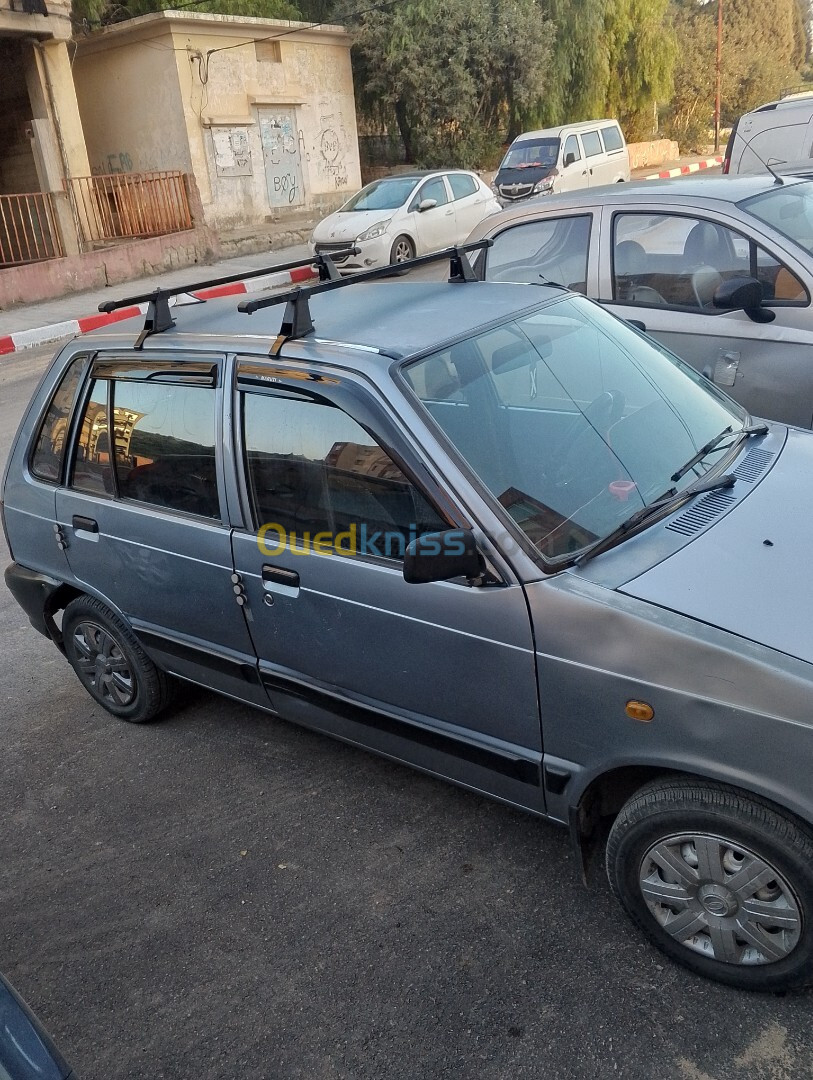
(572, 147)
(462, 185)
(317, 478)
(92, 467)
(551, 249)
(674, 259)
(46, 460)
(612, 137)
(433, 189)
(164, 441)
(591, 143)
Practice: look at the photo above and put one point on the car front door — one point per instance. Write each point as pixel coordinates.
(663, 269)
(573, 173)
(439, 674)
(436, 227)
(144, 518)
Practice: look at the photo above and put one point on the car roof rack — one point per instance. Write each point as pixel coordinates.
(297, 321)
(158, 317)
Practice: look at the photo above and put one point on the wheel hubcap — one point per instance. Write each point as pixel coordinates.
(102, 666)
(402, 253)
(720, 899)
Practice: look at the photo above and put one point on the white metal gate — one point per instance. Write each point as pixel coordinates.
(283, 156)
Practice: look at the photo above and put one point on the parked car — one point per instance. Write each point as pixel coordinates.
(718, 269)
(398, 217)
(780, 131)
(26, 1049)
(562, 159)
(484, 529)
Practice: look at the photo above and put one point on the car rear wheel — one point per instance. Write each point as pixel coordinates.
(720, 881)
(111, 664)
(401, 250)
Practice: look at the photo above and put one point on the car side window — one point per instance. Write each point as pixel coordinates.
(49, 448)
(432, 189)
(551, 249)
(462, 185)
(318, 480)
(591, 143)
(158, 450)
(572, 147)
(678, 260)
(612, 137)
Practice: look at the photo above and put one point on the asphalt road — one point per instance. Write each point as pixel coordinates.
(223, 895)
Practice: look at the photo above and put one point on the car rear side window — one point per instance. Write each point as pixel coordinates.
(317, 480)
(591, 143)
(462, 185)
(550, 249)
(612, 138)
(46, 459)
(158, 450)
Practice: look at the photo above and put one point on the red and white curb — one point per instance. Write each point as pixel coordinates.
(41, 335)
(683, 170)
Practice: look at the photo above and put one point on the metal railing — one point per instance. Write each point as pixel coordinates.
(28, 229)
(135, 205)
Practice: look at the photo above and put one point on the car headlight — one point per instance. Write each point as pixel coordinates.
(543, 185)
(378, 229)
(495, 189)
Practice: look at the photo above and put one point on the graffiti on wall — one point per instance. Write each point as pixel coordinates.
(332, 147)
(232, 151)
(282, 153)
(114, 163)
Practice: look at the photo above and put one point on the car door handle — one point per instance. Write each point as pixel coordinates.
(276, 575)
(85, 524)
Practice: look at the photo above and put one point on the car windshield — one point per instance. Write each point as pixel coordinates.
(533, 152)
(573, 420)
(386, 194)
(788, 208)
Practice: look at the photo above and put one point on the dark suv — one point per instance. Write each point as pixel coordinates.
(485, 529)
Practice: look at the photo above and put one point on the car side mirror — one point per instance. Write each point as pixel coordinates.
(441, 556)
(569, 159)
(743, 294)
(427, 204)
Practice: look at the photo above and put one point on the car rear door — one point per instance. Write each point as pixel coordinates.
(469, 202)
(437, 227)
(440, 675)
(662, 269)
(144, 514)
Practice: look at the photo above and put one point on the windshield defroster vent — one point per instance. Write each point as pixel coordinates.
(702, 514)
(754, 464)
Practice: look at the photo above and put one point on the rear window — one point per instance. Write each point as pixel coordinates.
(591, 143)
(612, 137)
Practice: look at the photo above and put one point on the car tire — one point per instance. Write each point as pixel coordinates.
(402, 249)
(111, 664)
(720, 881)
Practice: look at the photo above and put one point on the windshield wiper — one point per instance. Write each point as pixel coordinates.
(754, 429)
(670, 500)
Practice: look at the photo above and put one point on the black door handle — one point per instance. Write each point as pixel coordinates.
(275, 575)
(85, 524)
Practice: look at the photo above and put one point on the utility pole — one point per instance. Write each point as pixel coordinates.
(717, 80)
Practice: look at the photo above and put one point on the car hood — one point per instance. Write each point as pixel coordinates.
(530, 174)
(348, 224)
(749, 573)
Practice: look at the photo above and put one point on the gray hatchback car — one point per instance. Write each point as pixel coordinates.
(488, 530)
(718, 269)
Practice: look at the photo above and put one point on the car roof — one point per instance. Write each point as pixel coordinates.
(690, 190)
(398, 320)
(581, 125)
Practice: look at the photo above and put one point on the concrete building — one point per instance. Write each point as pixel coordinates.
(260, 112)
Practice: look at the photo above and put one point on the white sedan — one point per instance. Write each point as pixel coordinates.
(398, 217)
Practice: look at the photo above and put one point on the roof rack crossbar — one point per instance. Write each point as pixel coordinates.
(297, 321)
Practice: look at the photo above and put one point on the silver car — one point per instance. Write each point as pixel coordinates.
(719, 269)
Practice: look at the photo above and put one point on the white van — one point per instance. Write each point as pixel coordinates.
(773, 134)
(563, 159)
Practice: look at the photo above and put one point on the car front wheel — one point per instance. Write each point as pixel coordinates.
(402, 249)
(720, 881)
(111, 664)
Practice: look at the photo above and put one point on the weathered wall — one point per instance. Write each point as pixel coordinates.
(130, 102)
(652, 153)
(18, 172)
(273, 130)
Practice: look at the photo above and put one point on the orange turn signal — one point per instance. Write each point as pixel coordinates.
(639, 710)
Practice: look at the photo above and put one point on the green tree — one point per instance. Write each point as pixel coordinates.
(102, 12)
(453, 75)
